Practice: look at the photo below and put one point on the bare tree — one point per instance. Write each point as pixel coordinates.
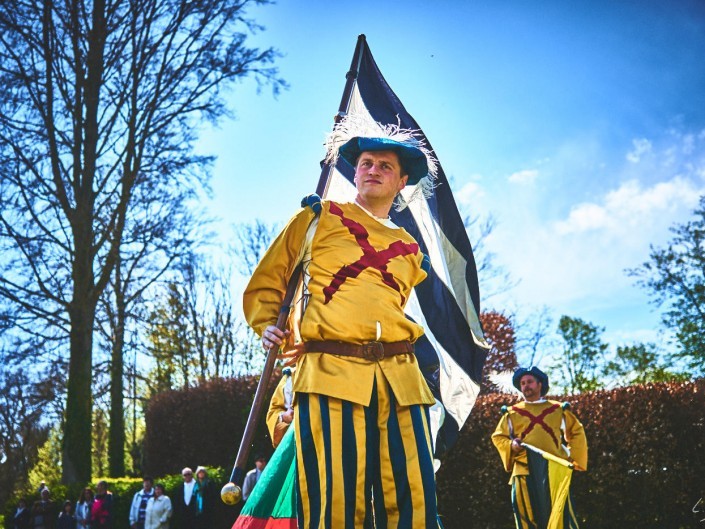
(494, 278)
(158, 234)
(193, 331)
(252, 241)
(100, 99)
(536, 336)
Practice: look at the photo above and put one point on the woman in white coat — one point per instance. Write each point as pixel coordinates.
(158, 510)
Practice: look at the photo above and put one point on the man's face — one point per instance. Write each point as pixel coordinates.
(260, 464)
(147, 485)
(188, 476)
(530, 387)
(100, 488)
(378, 176)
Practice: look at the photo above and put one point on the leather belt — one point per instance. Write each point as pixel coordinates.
(368, 351)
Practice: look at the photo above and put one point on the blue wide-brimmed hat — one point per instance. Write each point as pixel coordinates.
(534, 372)
(412, 159)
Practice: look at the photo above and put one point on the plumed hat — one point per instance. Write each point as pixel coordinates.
(412, 160)
(358, 133)
(534, 372)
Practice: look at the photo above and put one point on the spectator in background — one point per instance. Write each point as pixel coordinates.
(205, 499)
(102, 508)
(44, 512)
(66, 519)
(21, 518)
(83, 509)
(253, 476)
(158, 510)
(184, 502)
(139, 503)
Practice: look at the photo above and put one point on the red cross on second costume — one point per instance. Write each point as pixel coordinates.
(371, 258)
(537, 419)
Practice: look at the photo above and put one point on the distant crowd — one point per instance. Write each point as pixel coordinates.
(192, 507)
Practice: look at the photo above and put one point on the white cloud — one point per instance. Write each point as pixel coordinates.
(470, 193)
(641, 146)
(572, 258)
(631, 206)
(526, 176)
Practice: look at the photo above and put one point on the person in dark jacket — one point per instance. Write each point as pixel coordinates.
(44, 512)
(205, 492)
(185, 502)
(66, 518)
(21, 519)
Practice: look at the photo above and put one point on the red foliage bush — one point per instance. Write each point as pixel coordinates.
(200, 426)
(500, 334)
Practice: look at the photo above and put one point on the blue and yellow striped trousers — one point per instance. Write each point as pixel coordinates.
(364, 467)
(532, 509)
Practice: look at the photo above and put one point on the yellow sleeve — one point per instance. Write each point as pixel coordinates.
(503, 443)
(576, 439)
(265, 291)
(276, 406)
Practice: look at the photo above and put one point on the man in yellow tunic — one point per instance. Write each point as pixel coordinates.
(543, 424)
(361, 403)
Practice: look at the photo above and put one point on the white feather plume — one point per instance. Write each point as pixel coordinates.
(362, 124)
(503, 381)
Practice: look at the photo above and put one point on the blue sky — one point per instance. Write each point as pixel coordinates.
(579, 126)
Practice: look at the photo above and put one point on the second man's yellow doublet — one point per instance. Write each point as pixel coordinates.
(542, 424)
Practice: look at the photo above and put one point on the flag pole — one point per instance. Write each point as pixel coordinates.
(350, 80)
(231, 493)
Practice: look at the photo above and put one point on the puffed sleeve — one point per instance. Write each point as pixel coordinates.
(503, 443)
(576, 439)
(265, 291)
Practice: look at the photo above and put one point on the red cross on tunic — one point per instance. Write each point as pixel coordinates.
(371, 258)
(537, 419)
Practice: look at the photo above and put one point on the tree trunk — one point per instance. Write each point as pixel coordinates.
(79, 399)
(116, 435)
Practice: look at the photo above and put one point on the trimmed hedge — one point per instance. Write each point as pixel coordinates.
(646, 448)
(646, 461)
(201, 426)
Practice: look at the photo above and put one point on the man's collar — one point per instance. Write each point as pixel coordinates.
(539, 401)
(387, 222)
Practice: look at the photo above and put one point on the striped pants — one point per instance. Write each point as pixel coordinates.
(364, 467)
(531, 510)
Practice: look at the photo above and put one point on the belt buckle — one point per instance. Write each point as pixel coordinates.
(373, 350)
